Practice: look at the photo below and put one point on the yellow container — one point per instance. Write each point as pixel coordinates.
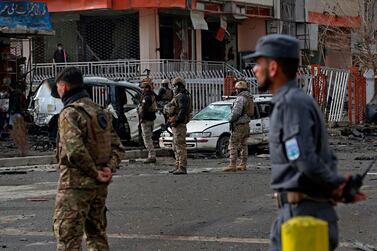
(305, 233)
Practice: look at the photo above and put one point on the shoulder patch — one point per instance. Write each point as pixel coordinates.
(102, 121)
(292, 149)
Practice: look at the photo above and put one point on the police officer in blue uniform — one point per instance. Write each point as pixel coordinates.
(304, 174)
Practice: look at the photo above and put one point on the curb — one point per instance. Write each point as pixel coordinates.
(51, 159)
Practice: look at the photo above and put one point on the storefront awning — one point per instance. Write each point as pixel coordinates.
(25, 18)
(198, 21)
(81, 5)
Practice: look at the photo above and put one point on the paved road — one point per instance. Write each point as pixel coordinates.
(152, 210)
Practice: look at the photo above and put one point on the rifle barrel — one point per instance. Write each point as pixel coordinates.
(369, 167)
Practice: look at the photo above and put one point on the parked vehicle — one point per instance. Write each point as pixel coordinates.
(120, 98)
(209, 128)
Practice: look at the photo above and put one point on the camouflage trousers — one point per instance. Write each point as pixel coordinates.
(179, 145)
(238, 141)
(78, 211)
(147, 131)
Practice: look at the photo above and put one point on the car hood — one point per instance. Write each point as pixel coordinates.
(201, 125)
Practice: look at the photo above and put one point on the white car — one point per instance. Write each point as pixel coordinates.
(117, 97)
(209, 129)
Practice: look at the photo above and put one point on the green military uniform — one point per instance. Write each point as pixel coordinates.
(87, 143)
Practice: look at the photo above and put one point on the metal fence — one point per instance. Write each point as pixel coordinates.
(127, 69)
(205, 80)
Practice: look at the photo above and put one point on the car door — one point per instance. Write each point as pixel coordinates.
(133, 100)
(264, 112)
(256, 128)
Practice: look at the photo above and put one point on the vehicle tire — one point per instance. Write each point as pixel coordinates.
(222, 149)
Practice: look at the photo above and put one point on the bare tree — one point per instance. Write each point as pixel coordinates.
(361, 32)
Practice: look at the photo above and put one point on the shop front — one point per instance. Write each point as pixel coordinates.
(19, 21)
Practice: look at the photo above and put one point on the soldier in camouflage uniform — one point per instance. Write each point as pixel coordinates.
(179, 116)
(164, 96)
(147, 115)
(242, 111)
(88, 152)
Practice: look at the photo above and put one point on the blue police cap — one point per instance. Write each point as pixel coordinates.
(277, 46)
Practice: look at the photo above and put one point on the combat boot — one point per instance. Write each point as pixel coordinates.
(150, 161)
(180, 170)
(173, 170)
(232, 166)
(242, 166)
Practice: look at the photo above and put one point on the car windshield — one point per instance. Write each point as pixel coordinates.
(214, 112)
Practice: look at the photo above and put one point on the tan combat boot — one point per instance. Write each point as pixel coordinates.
(180, 170)
(231, 167)
(242, 166)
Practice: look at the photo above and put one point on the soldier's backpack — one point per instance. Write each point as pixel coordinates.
(250, 107)
(168, 95)
(99, 132)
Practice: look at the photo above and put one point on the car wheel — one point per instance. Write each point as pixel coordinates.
(222, 149)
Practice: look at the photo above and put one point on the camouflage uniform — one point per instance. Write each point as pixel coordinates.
(180, 106)
(87, 143)
(240, 130)
(147, 115)
(147, 131)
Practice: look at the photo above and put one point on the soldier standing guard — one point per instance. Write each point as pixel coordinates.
(164, 96)
(147, 115)
(242, 111)
(88, 152)
(179, 111)
(304, 173)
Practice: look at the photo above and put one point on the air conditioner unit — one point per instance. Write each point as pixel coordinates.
(235, 9)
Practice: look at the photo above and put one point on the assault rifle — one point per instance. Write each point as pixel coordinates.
(165, 127)
(355, 182)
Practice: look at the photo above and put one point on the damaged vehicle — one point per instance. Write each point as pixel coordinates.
(209, 129)
(120, 98)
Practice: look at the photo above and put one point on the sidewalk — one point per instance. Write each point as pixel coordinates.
(50, 159)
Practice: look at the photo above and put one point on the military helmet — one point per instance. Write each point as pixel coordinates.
(165, 81)
(146, 82)
(241, 85)
(178, 80)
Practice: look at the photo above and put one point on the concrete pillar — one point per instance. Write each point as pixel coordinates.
(198, 46)
(149, 34)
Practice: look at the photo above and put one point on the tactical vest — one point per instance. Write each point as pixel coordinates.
(153, 107)
(174, 108)
(168, 95)
(98, 140)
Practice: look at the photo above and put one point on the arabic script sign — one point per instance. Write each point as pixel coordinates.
(30, 15)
